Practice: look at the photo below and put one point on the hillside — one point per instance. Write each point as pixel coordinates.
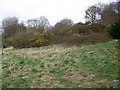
(88, 66)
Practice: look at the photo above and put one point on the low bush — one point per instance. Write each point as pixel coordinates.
(89, 28)
(77, 29)
(26, 41)
(61, 31)
(39, 40)
(98, 27)
(80, 39)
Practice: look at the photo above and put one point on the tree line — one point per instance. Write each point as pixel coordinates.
(107, 13)
(98, 18)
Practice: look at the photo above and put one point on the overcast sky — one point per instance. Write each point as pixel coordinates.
(54, 10)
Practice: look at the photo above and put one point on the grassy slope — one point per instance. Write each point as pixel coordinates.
(0, 69)
(57, 66)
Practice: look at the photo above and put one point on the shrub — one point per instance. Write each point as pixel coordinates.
(98, 27)
(80, 39)
(65, 31)
(78, 29)
(45, 35)
(89, 28)
(114, 30)
(7, 42)
(62, 31)
(37, 41)
(27, 40)
(18, 42)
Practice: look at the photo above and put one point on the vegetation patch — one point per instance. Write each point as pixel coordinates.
(52, 66)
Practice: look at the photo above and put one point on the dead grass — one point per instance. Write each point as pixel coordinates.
(92, 66)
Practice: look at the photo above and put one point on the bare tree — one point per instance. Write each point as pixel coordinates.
(9, 25)
(103, 12)
(38, 24)
(100, 8)
(66, 21)
(32, 22)
(118, 7)
(92, 14)
(43, 22)
(63, 23)
(110, 13)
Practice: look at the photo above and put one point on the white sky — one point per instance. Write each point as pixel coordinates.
(54, 10)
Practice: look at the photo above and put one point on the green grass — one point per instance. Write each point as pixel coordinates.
(89, 66)
(0, 68)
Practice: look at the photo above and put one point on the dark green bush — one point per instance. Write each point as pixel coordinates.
(5, 44)
(114, 30)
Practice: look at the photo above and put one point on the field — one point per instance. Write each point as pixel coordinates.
(57, 66)
(0, 68)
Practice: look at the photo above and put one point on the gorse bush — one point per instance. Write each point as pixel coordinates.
(27, 41)
(18, 42)
(114, 30)
(60, 33)
(38, 40)
(98, 27)
(89, 28)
